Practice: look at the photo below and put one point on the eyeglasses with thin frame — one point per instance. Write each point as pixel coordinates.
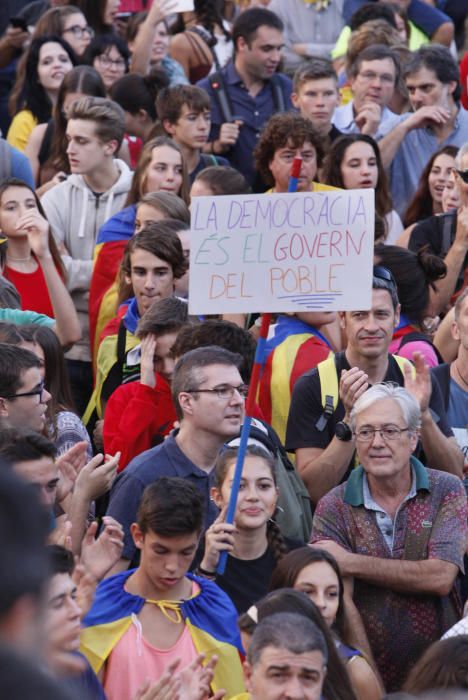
(225, 392)
(463, 174)
(107, 62)
(39, 391)
(78, 31)
(385, 78)
(387, 433)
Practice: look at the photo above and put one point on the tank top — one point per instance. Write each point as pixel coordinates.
(134, 659)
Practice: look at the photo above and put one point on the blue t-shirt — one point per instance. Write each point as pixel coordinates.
(457, 415)
(166, 459)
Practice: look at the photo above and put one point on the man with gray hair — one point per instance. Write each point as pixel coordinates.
(287, 658)
(398, 529)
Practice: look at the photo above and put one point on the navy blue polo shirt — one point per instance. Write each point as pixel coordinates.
(254, 112)
(166, 459)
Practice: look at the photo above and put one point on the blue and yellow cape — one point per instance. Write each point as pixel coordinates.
(209, 615)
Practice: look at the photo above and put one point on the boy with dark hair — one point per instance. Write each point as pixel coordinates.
(184, 111)
(144, 619)
(23, 397)
(316, 95)
(140, 413)
(153, 260)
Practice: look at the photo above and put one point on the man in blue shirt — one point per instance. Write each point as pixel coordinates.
(249, 90)
(208, 394)
(432, 79)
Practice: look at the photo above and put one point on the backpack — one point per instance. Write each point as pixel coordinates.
(294, 516)
(224, 102)
(329, 387)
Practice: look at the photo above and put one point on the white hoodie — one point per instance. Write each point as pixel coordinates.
(76, 214)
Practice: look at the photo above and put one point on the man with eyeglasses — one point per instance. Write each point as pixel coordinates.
(321, 436)
(432, 79)
(398, 530)
(23, 398)
(446, 235)
(373, 77)
(208, 393)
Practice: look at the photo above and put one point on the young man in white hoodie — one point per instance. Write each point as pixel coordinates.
(96, 190)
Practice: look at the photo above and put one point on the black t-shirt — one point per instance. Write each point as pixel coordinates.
(306, 408)
(246, 581)
(438, 233)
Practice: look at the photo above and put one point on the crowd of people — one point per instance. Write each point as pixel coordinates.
(121, 413)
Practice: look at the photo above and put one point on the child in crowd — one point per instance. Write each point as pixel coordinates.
(144, 619)
(184, 111)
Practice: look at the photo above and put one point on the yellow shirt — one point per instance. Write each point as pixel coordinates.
(20, 129)
(316, 187)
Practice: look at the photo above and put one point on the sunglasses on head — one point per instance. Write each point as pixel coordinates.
(383, 274)
(463, 174)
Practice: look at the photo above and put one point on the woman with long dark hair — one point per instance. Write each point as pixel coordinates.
(49, 59)
(33, 263)
(353, 162)
(315, 572)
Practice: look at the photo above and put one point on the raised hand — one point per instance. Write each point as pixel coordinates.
(218, 538)
(353, 383)
(148, 348)
(99, 556)
(96, 478)
(37, 229)
(419, 385)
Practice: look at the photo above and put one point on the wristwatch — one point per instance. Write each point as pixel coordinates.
(343, 432)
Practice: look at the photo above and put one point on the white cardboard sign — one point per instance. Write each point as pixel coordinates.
(302, 251)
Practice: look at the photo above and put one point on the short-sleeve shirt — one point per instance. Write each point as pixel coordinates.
(306, 408)
(432, 232)
(166, 459)
(253, 111)
(413, 153)
(430, 525)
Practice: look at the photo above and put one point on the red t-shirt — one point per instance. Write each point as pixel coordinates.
(32, 289)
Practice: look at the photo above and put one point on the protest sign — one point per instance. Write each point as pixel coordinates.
(300, 251)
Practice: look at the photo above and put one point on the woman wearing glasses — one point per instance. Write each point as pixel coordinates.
(109, 55)
(446, 235)
(68, 22)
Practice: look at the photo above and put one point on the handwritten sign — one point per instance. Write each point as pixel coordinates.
(282, 252)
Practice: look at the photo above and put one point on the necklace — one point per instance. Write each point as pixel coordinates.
(10, 257)
(460, 374)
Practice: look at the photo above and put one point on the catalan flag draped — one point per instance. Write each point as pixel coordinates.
(108, 253)
(209, 615)
(294, 348)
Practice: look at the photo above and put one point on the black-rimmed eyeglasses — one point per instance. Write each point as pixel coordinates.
(39, 391)
(78, 31)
